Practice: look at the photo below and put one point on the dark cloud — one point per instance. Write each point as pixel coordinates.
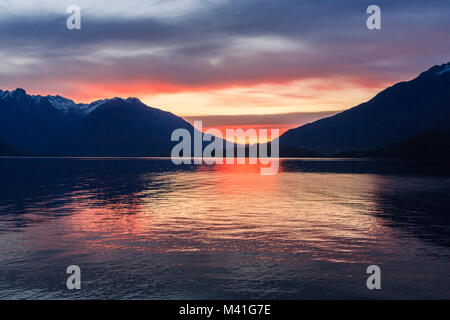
(222, 46)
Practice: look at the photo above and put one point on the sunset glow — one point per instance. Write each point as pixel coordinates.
(193, 59)
(224, 159)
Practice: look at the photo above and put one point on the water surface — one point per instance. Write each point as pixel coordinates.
(145, 228)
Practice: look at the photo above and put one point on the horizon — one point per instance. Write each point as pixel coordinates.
(208, 60)
(228, 156)
(236, 121)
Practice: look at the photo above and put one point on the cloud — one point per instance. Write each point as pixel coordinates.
(166, 10)
(192, 46)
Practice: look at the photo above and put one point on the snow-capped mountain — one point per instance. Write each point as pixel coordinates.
(444, 70)
(66, 105)
(60, 103)
(54, 125)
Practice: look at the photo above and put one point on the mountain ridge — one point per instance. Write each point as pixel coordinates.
(55, 126)
(396, 113)
(107, 127)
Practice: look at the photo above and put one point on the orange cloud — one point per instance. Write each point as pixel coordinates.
(282, 129)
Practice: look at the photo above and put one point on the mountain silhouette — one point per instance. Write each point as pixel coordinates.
(124, 127)
(7, 150)
(54, 125)
(397, 113)
(433, 143)
(406, 116)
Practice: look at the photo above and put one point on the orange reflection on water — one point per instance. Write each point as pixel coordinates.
(230, 208)
(242, 178)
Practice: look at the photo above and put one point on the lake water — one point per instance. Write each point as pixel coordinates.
(145, 228)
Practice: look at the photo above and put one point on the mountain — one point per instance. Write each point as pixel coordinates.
(53, 125)
(405, 117)
(7, 150)
(29, 123)
(433, 143)
(397, 113)
(124, 127)
(429, 145)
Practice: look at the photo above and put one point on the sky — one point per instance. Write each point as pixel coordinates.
(230, 63)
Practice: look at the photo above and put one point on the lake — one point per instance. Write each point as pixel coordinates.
(146, 229)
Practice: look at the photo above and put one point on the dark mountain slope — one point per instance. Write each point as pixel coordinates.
(7, 150)
(125, 128)
(395, 114)
(30, 123)
(56, 126)
(431, 144)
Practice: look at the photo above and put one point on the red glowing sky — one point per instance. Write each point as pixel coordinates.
(249, 63)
